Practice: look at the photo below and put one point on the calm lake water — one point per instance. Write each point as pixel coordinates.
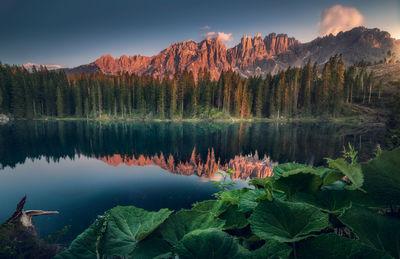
(84, 168)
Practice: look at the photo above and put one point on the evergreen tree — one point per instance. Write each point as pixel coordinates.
(60, 105)
(259, 100)
(172, 106)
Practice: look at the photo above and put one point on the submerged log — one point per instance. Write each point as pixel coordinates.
(20, 216)
(19, 237)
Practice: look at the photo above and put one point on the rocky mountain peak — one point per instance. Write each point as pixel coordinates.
(252, 56)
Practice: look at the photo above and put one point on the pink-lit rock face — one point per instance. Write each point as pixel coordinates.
(250, 49)
(244, 166)
(210, 54)
(252, 56)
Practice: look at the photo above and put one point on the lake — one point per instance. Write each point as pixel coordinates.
(84, 168)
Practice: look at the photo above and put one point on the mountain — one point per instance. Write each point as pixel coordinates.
(30, 66)
(252, 56)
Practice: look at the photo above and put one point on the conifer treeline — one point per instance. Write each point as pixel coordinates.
(294, 92)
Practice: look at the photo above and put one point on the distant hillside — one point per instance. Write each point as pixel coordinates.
(252, 56)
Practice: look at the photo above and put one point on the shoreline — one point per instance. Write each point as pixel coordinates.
(352, 120)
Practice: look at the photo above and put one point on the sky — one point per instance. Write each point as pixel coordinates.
(74, 32)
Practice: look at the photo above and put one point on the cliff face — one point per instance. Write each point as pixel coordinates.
(134, 64)
(252, 56)
(250, 50)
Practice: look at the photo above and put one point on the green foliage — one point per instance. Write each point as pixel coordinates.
(215, 207)
(234, 219)
(334, 246)
(334, 212)
(249, 200)
(115, 233)
(332, 201)
(233, 195)
(382, 178)
(87, 244)
(185, 221)
(372, 229)
(351, 171)
(272, 250)
(288, 167)
(286, 221)
(128, 225)
(350, 154)
(209, 243)
(223, 184)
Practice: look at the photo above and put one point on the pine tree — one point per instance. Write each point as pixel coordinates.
(60, 105)
(99, 100)
(259, 101)
(306, 88)
(324, 96)
(161, 101)
(78, 100)
(18, 101)
(172, 106)
(244, 109)
(238, 99)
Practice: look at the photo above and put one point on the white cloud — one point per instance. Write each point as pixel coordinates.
(205, 28)
(339, 18)
(226, 37)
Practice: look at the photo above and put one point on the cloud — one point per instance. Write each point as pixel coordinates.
(205, 28)
(339, 18)
(226, 37)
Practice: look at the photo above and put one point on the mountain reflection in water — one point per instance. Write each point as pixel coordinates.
(245, 167)
(282, 142)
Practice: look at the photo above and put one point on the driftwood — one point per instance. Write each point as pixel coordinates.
(20, 239)
(20, 216)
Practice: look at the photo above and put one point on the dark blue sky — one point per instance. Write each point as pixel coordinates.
(75, 32)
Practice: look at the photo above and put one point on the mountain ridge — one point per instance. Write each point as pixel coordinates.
(253, 56)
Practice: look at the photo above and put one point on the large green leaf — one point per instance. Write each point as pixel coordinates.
(298, 181)
(332, 246)
(249, 200)
(261, 182)
(382, 178)
(381, 232)
(287, 167)
(185, 221)
(352, 171)
(152, 247)
(331, 177)
(328, 200)
(286, 221)
(86, 245)
(116, 233)
(215, 207)
(234, 219)
(272, 250)
(209, 243)
(292, 178)
(233, 195)
(127, 226)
